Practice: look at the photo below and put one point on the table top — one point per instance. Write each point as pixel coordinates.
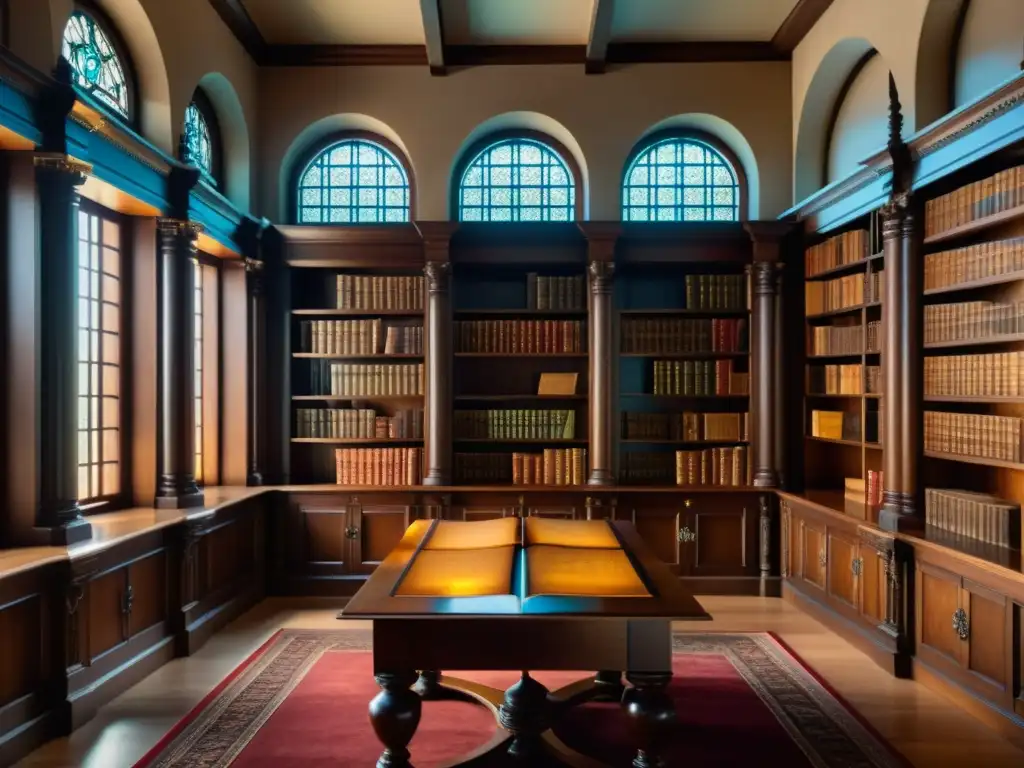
(530, 567)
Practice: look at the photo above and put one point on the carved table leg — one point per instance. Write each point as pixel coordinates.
(652, 713)
(395, 713)
(609, 685)
(428, 686)
(525, 714)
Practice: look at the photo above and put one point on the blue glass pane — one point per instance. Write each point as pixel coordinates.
(680, 180)
(198, 145)
(354, 181)
(517, 180)
(97, 68)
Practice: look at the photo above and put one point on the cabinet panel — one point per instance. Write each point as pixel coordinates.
(843, 553)
(380, 529)
(660, 530)
(813, 553)
(559, 511)
(873, 585)
(326, 536)
(480, 512)
(148, 582)
(986, 651)
(21, 627)
(938, 601)
(722, 546)
(106, 615)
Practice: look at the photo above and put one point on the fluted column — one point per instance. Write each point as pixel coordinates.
(57, 510)
(779, 372)
(901, 372)
(256, 345)
(602, 357)
(176, 484)
(439, 374)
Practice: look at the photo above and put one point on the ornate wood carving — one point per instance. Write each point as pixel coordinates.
(765, 521)
(784, 535)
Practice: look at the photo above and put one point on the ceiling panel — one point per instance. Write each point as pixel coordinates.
(516, 22)
(338, 22)
(648, 21)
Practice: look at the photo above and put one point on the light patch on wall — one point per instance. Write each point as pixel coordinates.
(862, 121)
(991, 48)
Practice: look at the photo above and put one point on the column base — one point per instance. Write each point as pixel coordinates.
(65, 534)
(254, 479)
(186, 500)
(601, 477)
(898, 512)
(435, 479)
(765, 478)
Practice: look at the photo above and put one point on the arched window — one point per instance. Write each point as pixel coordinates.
(201, 140)
(517, 179)
(98, 66)
(354, 181)
(675, 178)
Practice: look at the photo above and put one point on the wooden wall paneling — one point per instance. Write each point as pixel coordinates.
(663, 525)
(813, 544)
(726, 531)
(469, 506)
(937, 603)
(1017, 651)
(986, 649)
(843, 569)
(379, 527)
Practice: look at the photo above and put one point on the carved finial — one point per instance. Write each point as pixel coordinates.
(902, 172)
(895, 114)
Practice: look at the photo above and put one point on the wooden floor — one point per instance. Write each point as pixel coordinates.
(925, 727)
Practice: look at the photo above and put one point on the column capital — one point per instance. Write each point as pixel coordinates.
(179, 227)
(767, 277)
(602, 274)
(437, 273)
(897, 217)
(768, 231)
(62, 164)
(437, 236)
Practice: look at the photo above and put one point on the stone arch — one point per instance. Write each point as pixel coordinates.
(936, 59)
(318, 132)
(524, 121)
(234, 137)
(731, 139)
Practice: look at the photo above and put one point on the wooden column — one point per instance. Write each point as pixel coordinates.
(439, 374)
(176, 483)
(255, 368)
(765, 357)
(779, 371)
(57, 510)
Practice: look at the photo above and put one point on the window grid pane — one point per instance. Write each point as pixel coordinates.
(97, 68)
(198, 320)
(354, 182)
(680, 180)
(517, 180)
(99, 357)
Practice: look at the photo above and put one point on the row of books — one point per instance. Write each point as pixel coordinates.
(873, 379)
(563, 293)
(1000, 192)
(688, 426)
(865, 491)
(716, 292)
(556, 466)
(847, 339)
(516, 424)
(846, 248)
(973, 434)
(358, 423)
(378, 466)
(844, 292)
(967, 320)
(978, 516)
(644, 336)
(359, 337)
(379, 292)
(973, 262)
(698, 378)
(845, 425)
(365, 380)
(836, 379)
(727, 466)
(992, 375)
(521, 336)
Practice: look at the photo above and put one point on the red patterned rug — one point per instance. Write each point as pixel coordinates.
(301, 700)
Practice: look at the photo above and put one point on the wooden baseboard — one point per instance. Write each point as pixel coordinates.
(198, 631)
(26, 737)
(866, 640)
(748, 586)
(1008, 724)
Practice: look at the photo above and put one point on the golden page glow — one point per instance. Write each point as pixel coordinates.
(588, 534)
(581, 573)
(479, 534)
(459, 573)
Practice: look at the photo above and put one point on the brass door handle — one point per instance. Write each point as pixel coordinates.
(961, 624)
(351, 532)
(686, 536)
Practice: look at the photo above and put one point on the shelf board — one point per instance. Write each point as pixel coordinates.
(685, 355)
(873, 395)
(697, 443)
(369, 398)
(359, 312)
(550, 355)
(469, 487)
(683, 397)
(993, 399)
(1002, 339)
(982, 282)
(851, 443)
(837, 355)
(837, 312)
(520, 398)
(689, 488)
(858, 395)
(319, 356)
(359, 440)
(524, 311)
(851, 267)
(524, 440)
(978, 225)
(685, 311)
(873, 446)
(975, 460)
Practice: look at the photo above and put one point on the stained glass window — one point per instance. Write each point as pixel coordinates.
(355, 181)
(680, 180)
(198, 144)
(517, 180)
(99, 357)
(97, 67)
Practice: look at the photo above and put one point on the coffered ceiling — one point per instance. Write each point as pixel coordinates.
(453, 33)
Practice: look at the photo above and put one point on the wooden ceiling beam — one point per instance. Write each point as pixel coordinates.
(433, 28)
(600, 36)
(233, 13)
(794, 28)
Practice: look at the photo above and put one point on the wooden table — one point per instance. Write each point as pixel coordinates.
(448, 627)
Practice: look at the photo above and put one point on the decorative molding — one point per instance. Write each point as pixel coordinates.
(179, 227)
(693, 52)
(969, 127)
(63, 164)
(798, 23)
(763, 273)
(346, 56)
(253, 266)
(120, 136)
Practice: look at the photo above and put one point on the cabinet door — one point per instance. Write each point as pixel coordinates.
(481, 511)
(557, 511)
(813, 543)
(873, 585)
(147, 582)
(662, 530)
(938, 600)
(327, 535)
(988, 654)
(378, 529)
(843, 564)
(107, 617)
(725, 543)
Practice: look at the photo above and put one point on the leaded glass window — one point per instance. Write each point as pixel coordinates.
(517, 180)
(198, 144)
(355, 181)
(680, 180)
(98, 70)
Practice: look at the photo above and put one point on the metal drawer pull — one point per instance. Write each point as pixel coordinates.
(351, 532)
(686, 535)
(857, 566)
(961, 624)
